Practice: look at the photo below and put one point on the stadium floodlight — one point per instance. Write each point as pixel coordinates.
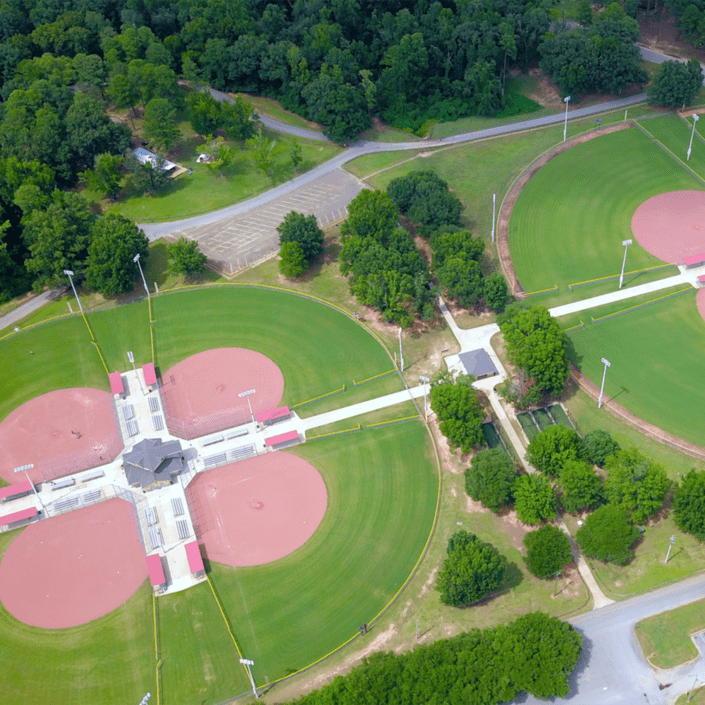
(24, 468)
(247, 395)
(136, 259)
(424, 381)
(696, 117)
(607, 364)
(670, 546)
(246, 662)
(131, 358)
(69, 274)
(566, 100)
(625, 245)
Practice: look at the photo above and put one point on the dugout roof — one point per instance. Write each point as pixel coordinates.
(13, 490)
(150, 376)
(193, 554)
(282, 438)
(18, 516)
(273, 414)
(116, 385)
(156, 570)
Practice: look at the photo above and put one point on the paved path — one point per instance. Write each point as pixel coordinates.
(29, 307)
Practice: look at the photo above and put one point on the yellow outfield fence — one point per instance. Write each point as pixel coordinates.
(369, 379)
(672, 295)
(158, 664)
(352, 429)
(572, 328)
(322, 396)
(540, 292)
(610, 277)
(403, 419)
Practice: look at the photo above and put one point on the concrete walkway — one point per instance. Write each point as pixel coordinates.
(28, 307)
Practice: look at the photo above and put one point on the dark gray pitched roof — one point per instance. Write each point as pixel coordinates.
(152, 461)
(478, 363)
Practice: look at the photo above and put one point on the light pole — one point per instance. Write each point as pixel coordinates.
(131, 358)
(401, 352)
(625, 244)
(24, 468)
(566, 100)
(136, 258)
(69, 274)
(425, 381)
(247, 394)
(247, 663)
(692, 134)
(670, 546)
(607, 364)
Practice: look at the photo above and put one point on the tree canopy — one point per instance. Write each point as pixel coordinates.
(676, 84)
(553, 447)
(608, 535)
(490, 478)
(548, 551)
(534, 499)
(459, 412)
(689, 504)
(582, 488)
(472, 570)
(425, 198)
(297, 227)
(185, 257)
(599, 445)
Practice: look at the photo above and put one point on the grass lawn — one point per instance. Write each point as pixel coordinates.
(674, 133)
(665, 638)
(654, 352)
(557, 234)
(370, 164)
(200, 663)
(382, 490)
(206, 190)
(697, 699)
(109, 660)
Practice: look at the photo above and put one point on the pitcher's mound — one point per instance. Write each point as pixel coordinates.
(257, 510)
(671, 226)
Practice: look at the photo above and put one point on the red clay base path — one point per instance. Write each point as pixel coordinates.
(72, 569)
(61, 432)
(201, 392)
(671, 226)
(258, 510)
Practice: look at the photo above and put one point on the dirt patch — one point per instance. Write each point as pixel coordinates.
(634, 421)
(547, 94)
(429, 583)
(473, 507)
(660, 33)
(568, 585)
(515, 529)
(505, 211)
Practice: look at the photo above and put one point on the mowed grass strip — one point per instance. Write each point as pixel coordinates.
(200, 664)
(569, 221)
(665, 638)
(674, 133)
(382, 489)
(655, 354)
(109, 660)
(316, 347)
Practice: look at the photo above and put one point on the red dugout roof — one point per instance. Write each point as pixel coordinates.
(156, 571)
(283, 438)
(693, 259)
(195, 562)
(150, 375)
(12, 490)
(18, 516)
(116, 386)
(272, 414)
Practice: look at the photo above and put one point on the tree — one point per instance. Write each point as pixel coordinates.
(371, 214)
(105, 177)
(459, 413)
(461, 279)
(297, 227)
(295, 155)
(689, 504)
(472, 570)
(239, 119)
(185, 257)
(548, 551)
(425, 198)
(676, 84)
(536, 343)
(110, 266)
(204, 112)
(599, 445)
(585, 13)
(636, 484)
(534, 499)
(292, 260)
(494, 291)
(607, 535)
(147, 177)
(160, 124)
(552, 448)
(263, 152)
(490, 478)
(582, 488)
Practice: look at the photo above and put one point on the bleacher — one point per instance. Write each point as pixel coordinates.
(155, 538)
(128, 412)
(132, 428)
(242, 453)
(61, 505)
(182, 529)
(150, 516)
(157, 422)
(153, 403)
(212, 440)
(242, 431)
(212, 461)
(177, 506)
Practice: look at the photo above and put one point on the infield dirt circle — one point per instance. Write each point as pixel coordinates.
(671, 226)
(73, 568)
(258, 510)
(78, 424)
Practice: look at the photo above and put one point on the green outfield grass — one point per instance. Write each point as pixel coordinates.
(674, 133)
(200, 663)
(382, 491)
(664, 638)
(569, 221)
(655, 352)
(109, 660)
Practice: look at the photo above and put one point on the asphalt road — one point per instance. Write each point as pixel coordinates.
(612, 668)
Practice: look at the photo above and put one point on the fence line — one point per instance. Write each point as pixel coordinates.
(541, 292)
(393, 421)
(642, 305)
(369, 379)
(322, 396)
(580, 326)
(334, 433)
(612, 277)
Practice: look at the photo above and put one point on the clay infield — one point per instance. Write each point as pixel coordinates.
(74, 568)
(671, 226)
(40, 432)
(200, 393)
(258, 510)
